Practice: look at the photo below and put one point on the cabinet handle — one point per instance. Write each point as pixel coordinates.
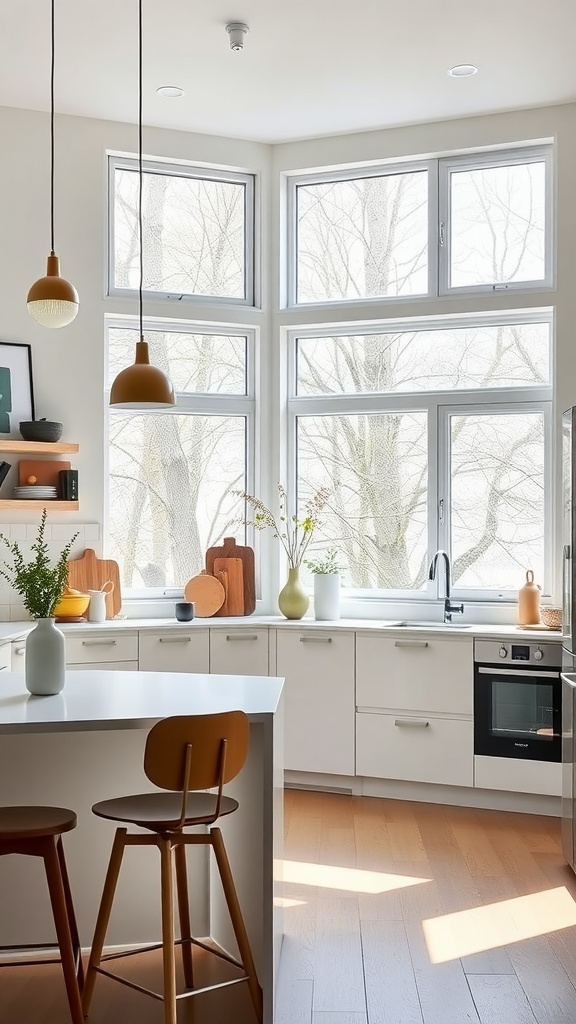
(411, 723)
(98, 643)
(20, 650)
(241, 636)
(315, 639)
(175, 639)
(411, 643)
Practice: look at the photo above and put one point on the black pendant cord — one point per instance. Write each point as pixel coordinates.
(52, 139)
(140, 230)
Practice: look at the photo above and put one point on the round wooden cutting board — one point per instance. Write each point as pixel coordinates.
(207, 593)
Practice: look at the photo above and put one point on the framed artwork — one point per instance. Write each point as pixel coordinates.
(16, 390)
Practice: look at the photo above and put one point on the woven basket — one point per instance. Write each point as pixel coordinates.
(551, 617)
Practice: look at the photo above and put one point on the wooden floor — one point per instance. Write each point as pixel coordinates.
(396, 913)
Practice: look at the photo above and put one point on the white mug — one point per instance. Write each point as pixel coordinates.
(97, 606)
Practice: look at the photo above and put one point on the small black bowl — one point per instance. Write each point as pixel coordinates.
(40, 430)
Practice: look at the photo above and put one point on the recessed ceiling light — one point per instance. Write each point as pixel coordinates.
(463, 70)
(170, 90)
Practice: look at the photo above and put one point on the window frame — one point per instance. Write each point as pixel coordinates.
(191, 404)
(182, 170)
(438, 405)
(439, 169)
(478, 161)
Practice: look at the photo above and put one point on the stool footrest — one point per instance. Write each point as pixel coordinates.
(160, 995)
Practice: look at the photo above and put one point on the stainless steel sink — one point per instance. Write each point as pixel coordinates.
(423, 624)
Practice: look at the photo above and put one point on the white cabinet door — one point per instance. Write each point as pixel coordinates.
(6, 658)
(415, 674)
(415, 748)
(318, 699)
(185, 650)
(239, 651)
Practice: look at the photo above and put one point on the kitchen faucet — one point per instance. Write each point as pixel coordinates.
(448, 606)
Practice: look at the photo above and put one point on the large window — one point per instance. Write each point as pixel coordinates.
(428, 434)
(198, 229)
(480, 223)
(171, 474)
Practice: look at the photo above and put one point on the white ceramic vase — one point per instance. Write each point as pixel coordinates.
(327, 595)
(45, 667)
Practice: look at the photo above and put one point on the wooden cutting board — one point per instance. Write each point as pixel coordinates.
(91, 573)
(229, 572)
(230, 549)
(207, 593)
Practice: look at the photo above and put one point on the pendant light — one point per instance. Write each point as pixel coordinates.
(52, 300)
(141, 386)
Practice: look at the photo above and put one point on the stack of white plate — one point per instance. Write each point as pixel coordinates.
(43, 492)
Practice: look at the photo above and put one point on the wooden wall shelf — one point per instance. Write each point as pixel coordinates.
(52, 505)
(37, 447)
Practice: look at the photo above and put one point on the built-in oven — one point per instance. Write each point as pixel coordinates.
(518, 700)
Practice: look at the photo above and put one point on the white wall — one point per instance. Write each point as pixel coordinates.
(69, 364)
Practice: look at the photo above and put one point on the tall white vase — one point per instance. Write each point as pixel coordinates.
(326, 595)
(45, 668)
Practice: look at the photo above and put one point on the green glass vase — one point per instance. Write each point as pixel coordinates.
(293, 600)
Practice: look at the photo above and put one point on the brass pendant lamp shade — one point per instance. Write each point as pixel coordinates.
(52, 301)
(141, 386)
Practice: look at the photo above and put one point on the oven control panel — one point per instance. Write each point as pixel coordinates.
(494, 652)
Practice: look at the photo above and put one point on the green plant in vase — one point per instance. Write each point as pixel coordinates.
(40, 582)
(326, 571)
(294, 533)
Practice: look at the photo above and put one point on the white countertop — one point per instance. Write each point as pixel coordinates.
(99, 699)
(16, 630)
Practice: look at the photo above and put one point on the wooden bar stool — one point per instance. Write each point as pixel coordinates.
(37, 832)
(183, 754)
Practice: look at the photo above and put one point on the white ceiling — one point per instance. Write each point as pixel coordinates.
(308, 68)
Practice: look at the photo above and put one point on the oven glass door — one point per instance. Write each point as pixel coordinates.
(517, 713)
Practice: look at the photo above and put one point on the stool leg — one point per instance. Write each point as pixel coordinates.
(237, 920)
(71, 913)
(62, 924)
(103, 916)
(168, 954)
(184, 913)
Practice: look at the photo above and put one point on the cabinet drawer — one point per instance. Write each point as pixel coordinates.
(119, 666)
(91, 650)
(239, 651)
(6, 657)
(415, 674)
(176, 650)
(405, 747)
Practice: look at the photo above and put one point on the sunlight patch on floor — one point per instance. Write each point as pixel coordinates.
(330, 876)
(498, 924)
(284, 902)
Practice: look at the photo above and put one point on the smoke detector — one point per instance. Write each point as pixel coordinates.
(237, 30)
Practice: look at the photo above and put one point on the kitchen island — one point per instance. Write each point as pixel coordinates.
(87, 744)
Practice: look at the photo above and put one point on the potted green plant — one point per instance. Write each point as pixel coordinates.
(327, 581)
(40, 583)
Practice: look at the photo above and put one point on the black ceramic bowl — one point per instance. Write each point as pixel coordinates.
(40, 430)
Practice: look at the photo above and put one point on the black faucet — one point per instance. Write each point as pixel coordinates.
(448, 606)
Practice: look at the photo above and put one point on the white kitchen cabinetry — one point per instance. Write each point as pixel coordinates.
(318, 699)
(103, 650)
(186, 650)
(239, 651)
(414, 699)
(18, 655)
(415, 673)
(6, 658)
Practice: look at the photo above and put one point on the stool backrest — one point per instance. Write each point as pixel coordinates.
(208, 736)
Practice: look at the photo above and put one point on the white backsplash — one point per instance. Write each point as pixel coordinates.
(56, 536)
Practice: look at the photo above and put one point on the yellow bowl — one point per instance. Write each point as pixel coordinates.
(71, 605)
